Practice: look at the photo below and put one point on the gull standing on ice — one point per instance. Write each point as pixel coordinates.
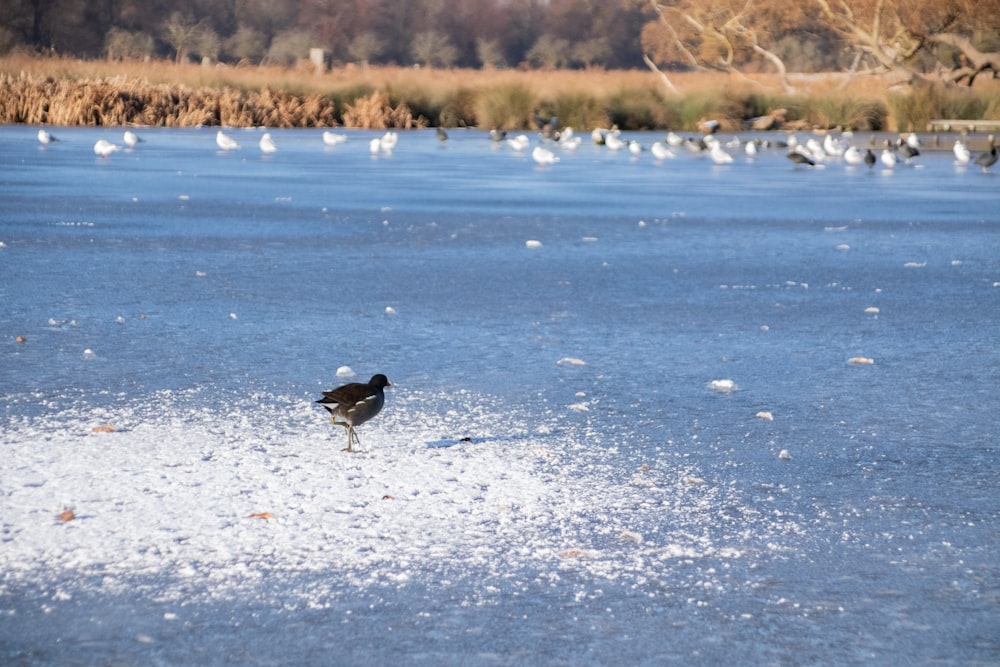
(267, 145)
(853, 155)
(104, 148)
(660, 151)
(45, 138)
(962, 153)
(131, 138)
(888, 157)
(354, 404)
(719, 154)
(543, 156)
(225, 142)
(388, 141)
(332, 138)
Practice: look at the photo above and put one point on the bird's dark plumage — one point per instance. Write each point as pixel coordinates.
(987, 159)
(869, 158)
(799, 158)
(353, 404)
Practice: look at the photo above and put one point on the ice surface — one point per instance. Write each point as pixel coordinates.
(552, 479)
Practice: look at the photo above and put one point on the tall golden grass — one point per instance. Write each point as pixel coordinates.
(59, 91)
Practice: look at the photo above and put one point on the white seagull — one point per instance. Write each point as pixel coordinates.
(519, 143)
(661, 152)
(719, 154)
(853, 155)
(613, 141)
(543, 156)
(962, 153)
(225, 142)
(332, 138)
(888, 158)
(131, 138)
(45, 138)
(266, 144)
(388, 141)
(104, 148)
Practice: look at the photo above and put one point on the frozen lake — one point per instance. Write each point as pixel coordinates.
(742, 413)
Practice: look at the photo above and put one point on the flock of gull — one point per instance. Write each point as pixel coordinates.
(812, 152)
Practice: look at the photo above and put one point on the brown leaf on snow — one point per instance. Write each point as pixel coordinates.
(67, 515)
(261, 515)
(572, 553)
(103, 428)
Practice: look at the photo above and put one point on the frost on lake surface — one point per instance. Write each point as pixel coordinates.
(177, 492)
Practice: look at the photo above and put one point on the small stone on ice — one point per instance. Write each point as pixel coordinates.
(571, 361)
(861, 360)
(389, 310)
(88, 354)
(784, 455)
(532, 243)
(345, 372)
(232, 316)
(120, 320)
(766, 415)
(872, 310)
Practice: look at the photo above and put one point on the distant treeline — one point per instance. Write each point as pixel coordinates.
(456, 33)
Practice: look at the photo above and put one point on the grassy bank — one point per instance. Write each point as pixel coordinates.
(72, 92)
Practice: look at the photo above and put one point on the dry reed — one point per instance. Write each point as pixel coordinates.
(60, 91)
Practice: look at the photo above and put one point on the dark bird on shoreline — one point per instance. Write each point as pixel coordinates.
(442, 135)
(355, 403)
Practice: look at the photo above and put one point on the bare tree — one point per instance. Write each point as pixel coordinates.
(894, 33)
(724, 35)
(489, 53)
(549, 52)
(246, 44)
(432, 48)
(180, 31)
(364, 47)
(592, 51)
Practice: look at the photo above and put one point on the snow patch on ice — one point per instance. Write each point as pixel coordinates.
(446, 486)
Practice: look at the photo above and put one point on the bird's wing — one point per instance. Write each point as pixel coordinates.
(349, 394)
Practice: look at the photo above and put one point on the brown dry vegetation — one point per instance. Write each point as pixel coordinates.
(60, 91)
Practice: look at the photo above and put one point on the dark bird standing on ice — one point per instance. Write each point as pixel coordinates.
(989, 158)
(354, 404)
(801, 158)
(869, 158)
